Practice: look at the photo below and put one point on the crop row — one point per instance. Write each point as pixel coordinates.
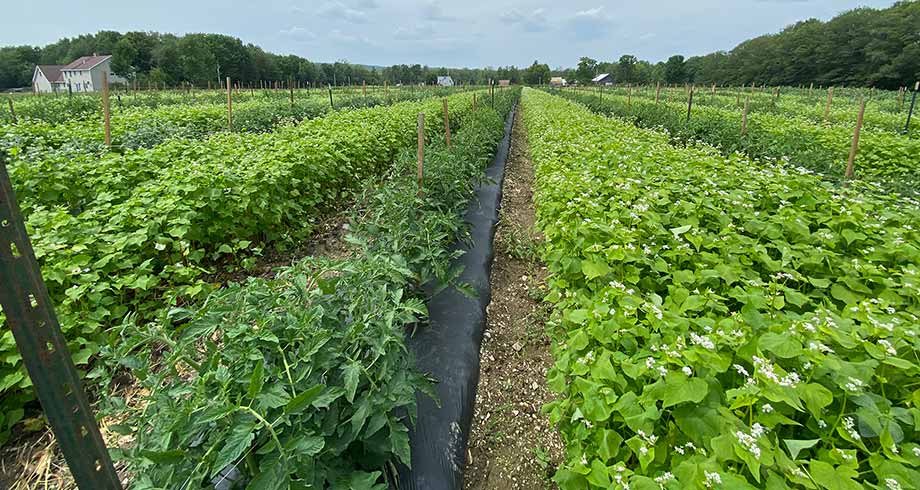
(68, 163)
(150, 245)
(722, 322)
(842, 113)
(884, 159)
(306, 379)
(55, 109)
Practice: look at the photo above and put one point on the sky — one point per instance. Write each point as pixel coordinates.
(473, 33)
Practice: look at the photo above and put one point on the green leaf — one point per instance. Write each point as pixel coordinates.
(840, 478)
(352, 376)
(816, 397)
(275, 477)
(164, 457)
(594, 268)
(301, 401)
(232, 447)
(679, 389)
(599, 475)
(797, 445)
(681, 230)
(842, 293)
(360, 480)
(257, 379)
(780, 345)
(608, 444)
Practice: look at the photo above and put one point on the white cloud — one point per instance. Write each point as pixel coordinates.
(535, 21)
(590, 24)
(298, 32)
(339, 11)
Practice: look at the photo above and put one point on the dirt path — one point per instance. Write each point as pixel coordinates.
(512, 445)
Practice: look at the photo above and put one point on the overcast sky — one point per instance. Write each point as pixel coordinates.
(458, 33)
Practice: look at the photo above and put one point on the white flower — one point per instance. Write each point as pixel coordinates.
(849, 424)
(160, 246)
(687, 371)
(766, 408)
(702, 340)
(854, 384)
(741, 370)
(712, 478)
(661, 480)
(888, 347)
(822, 424)
(916, 452)
(892, 484)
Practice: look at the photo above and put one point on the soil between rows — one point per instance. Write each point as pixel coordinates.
(512, 445)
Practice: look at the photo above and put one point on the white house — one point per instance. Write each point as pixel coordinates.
(85, 73)
(48, 79)
(446, 81)
(82, 75)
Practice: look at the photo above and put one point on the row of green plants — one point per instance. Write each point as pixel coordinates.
(843, 111)
(722, 322)
(884, 160)
(59, 108)
(69, 163)
(212, 206)
(305, 380)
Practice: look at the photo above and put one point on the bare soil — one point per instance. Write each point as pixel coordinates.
(512, 445)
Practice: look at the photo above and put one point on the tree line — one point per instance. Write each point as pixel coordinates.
(200, 59)
(862, 47)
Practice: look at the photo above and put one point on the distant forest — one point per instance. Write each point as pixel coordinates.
(861, 47)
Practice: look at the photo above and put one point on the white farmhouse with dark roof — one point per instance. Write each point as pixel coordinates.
(85, 73)
(445, 81)
(48, 79)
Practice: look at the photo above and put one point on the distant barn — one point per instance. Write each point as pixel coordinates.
(504, 83)
(446, 81)
(558, 82)
(603, 79)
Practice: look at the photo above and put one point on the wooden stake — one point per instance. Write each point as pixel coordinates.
(474, 102)
(901, 99)
(229, 105)
(446, 124)
(830, 99)
(106, 111)
(689, 103)
(331, 104)
(12, 111)
(855, 146)
(421, 153)
(628, 96)
(657, 92)
(811, 88)
(291, 88)
(744, 115)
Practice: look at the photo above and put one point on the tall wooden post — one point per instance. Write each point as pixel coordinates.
(291, 88)
(811, 88)
(446, 124)
(657, 92)
(855, 146)
(331, 104)
(689, 103)
(629, 96)
(744, 116)
(12, 111)
(229, 105)
(421, 153)
(901, 91)
(830, 100)
(106, 110)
